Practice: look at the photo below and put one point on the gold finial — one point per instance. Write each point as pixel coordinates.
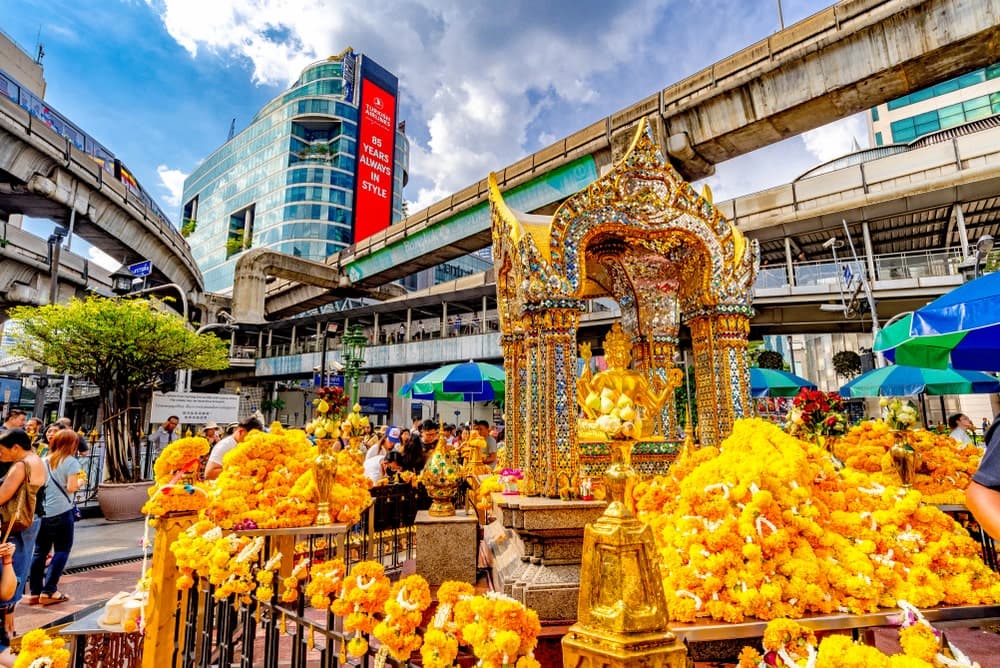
(706, 193)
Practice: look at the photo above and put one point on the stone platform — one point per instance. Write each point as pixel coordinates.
(446, 547)
(536, 545)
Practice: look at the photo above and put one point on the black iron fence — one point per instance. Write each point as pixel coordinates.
(247, 631)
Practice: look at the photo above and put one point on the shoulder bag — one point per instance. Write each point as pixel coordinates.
(19, 511)
(77, 516)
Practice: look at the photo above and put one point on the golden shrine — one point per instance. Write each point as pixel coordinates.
(641, 235)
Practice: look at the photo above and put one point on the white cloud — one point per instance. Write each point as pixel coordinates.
(172, 180)
(834, 140)
(102, 259)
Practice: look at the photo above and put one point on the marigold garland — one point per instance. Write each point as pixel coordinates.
(326, 579)
(268, 480)
(38, 649)
(788, 644)
(500, 630)
(177, 461)
(404, 609)
(365, 591)
(770, 528)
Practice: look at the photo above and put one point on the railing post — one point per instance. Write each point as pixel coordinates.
(161, 608)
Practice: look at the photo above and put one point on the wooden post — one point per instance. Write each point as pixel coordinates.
(161, 608)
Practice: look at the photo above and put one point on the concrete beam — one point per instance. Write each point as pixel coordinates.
(843, 60)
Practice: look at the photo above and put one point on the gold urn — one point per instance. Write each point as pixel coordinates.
(324, 470)
(441, 476)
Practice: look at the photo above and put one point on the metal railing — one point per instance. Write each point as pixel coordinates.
(247, 631)
(888, 266)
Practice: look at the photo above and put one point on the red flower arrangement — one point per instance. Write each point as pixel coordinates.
(816, 413)
(331, 402)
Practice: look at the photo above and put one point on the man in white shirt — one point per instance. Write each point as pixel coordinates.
(960, 426)
(214, 466)
(165, 434)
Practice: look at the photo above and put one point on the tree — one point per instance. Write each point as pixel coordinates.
(770, 359)
(122, 346)
(847, 363)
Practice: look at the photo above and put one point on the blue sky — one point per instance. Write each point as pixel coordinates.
(482, 84)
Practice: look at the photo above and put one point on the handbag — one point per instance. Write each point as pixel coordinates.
(18, 512)
(77, 515)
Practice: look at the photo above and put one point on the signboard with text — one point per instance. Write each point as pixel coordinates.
(10, 390)
(376, 151)
(196, 407)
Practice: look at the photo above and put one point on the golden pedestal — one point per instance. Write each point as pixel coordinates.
(622, 611)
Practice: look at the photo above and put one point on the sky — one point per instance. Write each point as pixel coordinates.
(481, 84)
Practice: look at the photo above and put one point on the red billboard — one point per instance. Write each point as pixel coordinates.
(376, 151)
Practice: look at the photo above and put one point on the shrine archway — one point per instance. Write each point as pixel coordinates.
(641, 235)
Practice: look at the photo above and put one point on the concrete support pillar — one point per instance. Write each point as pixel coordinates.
(789, 266)
(409, 323)
(378, 333)
(260, 343)
(963, 233)
(291, 345)
(444, 319)
(270, 333)
(482, 321)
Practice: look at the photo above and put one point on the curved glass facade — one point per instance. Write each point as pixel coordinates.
(286, 182)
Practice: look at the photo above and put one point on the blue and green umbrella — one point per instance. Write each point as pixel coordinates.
(898, 381)
(470, 381)
(960, 329)
(776, 383)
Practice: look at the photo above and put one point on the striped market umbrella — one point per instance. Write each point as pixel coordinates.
(470, 377)
(960, 329)
(898, 380)
(776, 383)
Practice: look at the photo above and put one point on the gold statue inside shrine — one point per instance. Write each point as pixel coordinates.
(617, 402)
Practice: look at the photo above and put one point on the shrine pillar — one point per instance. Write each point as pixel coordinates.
(551, 410)
(722, 373)
(654, 359)
(516, 387)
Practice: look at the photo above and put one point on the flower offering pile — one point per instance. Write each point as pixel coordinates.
(766, 526)
(177, 486)
(788, 644)
(946, 465)
(39, 650)
(267, 481)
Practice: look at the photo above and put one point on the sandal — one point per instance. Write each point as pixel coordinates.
(32, 600)
(53, 598)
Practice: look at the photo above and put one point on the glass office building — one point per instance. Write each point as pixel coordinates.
(287, 182)
(969, 97)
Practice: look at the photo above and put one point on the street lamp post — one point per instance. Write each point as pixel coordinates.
(354, 343)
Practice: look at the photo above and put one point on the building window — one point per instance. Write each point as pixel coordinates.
(907, 129)
(878, 138)
(189, 217)
(240, 235)
(875, 114)
(945, 87)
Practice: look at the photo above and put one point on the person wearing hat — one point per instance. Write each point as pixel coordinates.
(15, 449)
(212, 433)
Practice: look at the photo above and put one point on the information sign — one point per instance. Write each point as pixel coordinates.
(195, 407)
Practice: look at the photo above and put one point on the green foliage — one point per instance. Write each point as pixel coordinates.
(770, 359)
(847, 363)
(234, 244)
(272, 404)
(188, 227)
(120, 345)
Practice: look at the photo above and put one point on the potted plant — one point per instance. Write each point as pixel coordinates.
(122, 346)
